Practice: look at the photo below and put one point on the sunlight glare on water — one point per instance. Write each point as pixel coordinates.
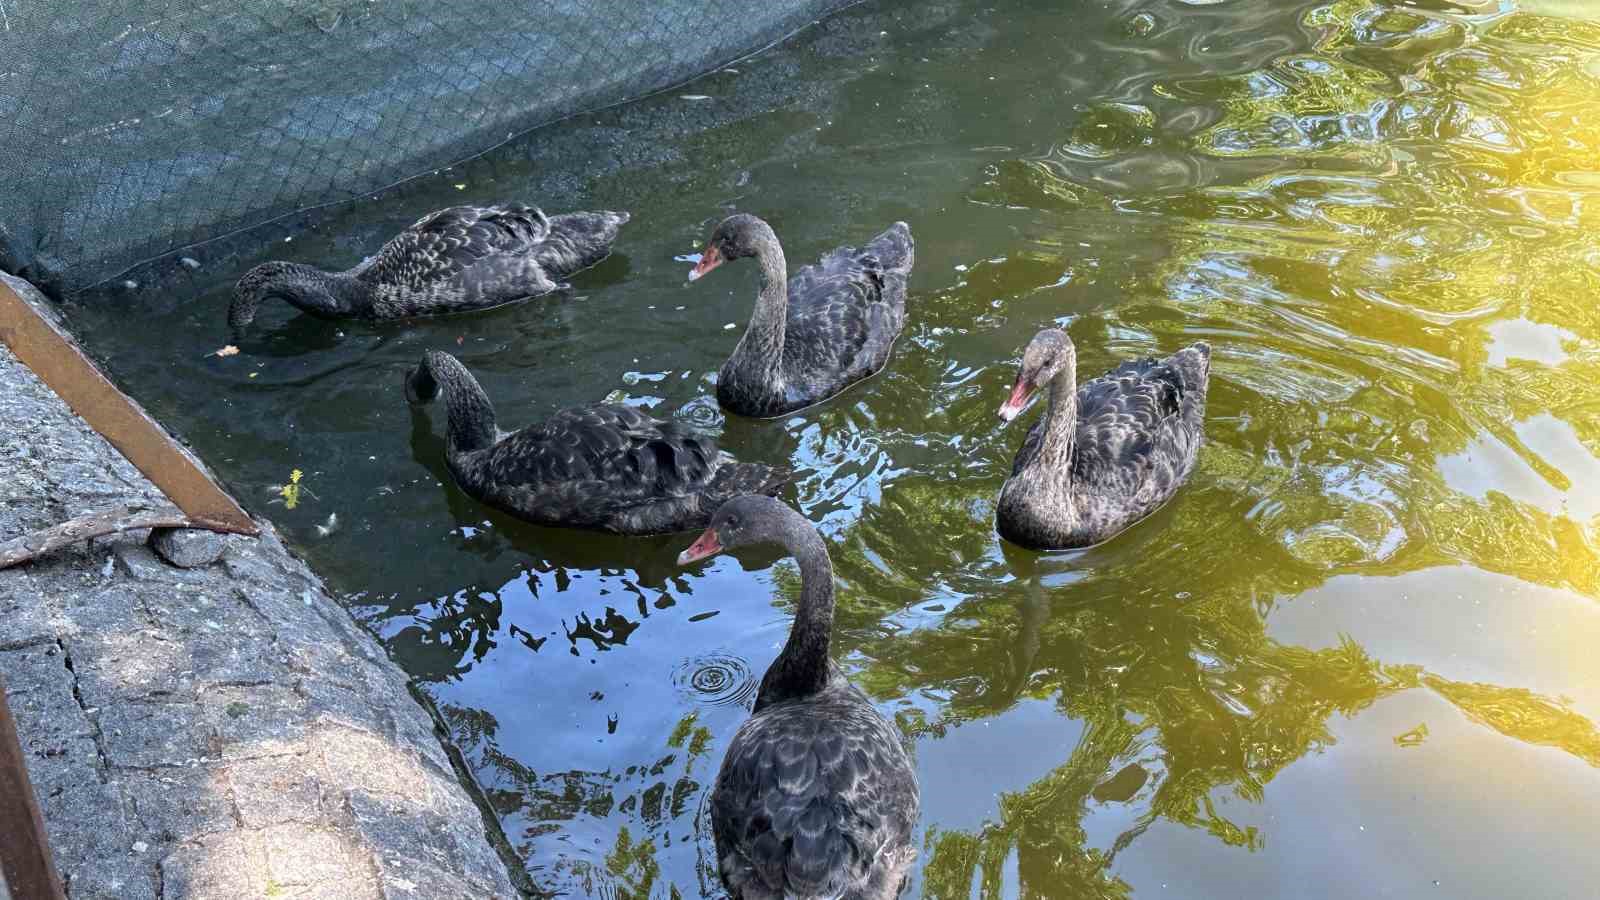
(1353, 658)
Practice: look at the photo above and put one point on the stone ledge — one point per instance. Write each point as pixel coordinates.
(219, 732)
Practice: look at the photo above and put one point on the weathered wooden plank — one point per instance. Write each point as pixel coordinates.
(55, 358)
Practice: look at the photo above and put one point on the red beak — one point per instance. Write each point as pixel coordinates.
(705, 545)
(708, 261)
(1019, 398)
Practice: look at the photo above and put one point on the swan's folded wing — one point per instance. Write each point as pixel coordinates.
(806, 804)
(627, 453)
(578, 240)
(452, 239)
(1122, 425)
(846, 311)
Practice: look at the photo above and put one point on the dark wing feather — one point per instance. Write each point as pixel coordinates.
(813, 797)
(577, 241)
(613, 467)
(1119, 418)
(633, 454)
(449, 241)
(1138, 425)
(845, 313)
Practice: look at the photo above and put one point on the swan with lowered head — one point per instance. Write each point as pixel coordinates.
(455, 260)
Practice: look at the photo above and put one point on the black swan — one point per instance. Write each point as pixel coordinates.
(1106, 454)
(454, 260)
(812, 336)
(605, 467)
(816, 797)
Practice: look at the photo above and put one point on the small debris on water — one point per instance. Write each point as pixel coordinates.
(1413, 738)
(694, 97)
(229, 350)
(130, 285)
(461, 187)
(189, 262)
(730, 326)
(289, 494)
(330, 526)
(141, 846)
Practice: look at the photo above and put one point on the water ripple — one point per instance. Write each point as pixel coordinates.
(716, 679)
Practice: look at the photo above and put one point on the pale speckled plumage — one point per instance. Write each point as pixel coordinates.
(454, 260)
(816, 797)
(606, 467)
(814, 335)
(1106, 454)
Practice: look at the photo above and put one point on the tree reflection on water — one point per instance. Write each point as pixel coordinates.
(1348, 199)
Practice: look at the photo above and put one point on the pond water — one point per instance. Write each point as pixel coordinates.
(1355, 657)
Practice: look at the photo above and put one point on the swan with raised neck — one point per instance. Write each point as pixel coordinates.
(816, 796)
(1107, 453)
(813, 335)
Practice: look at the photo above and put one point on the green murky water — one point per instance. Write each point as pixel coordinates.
(1354, 658)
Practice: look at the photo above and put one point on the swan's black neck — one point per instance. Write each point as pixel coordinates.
(471, 415)
(803, 668)
(1060, 422)
(759, 356)
(329, 294)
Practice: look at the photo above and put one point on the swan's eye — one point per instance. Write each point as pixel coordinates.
(733, 522)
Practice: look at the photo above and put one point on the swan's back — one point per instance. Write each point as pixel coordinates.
(444, 243)
(845, 313)
(474, 257)
(610, 467)
(578, 240)
(816, 799)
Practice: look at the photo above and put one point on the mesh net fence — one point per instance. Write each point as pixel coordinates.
(130, 130)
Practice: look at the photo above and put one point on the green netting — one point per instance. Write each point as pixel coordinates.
(130, 130)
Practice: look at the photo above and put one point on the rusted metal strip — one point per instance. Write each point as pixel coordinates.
(25, 862)
(56, 359)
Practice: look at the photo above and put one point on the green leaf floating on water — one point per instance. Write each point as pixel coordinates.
(289, 494)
